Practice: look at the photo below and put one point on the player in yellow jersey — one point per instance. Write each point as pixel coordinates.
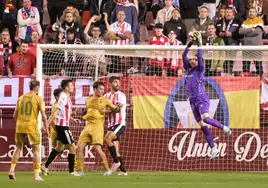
(96, 106)
(26, 115)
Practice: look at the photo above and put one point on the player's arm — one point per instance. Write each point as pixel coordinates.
(185, 57)
(44, 117)
(200, 52)
(74, 119)
(62, 102)
(113, 108)
(15, 114)
(122, 100)
(53, 115)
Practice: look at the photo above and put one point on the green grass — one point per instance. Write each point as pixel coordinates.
(141, 180)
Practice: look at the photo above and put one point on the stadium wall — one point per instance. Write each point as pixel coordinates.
(146, 149)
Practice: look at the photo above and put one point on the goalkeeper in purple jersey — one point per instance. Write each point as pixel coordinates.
(195, 90)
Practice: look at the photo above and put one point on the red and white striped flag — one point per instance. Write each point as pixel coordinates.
(264, 93)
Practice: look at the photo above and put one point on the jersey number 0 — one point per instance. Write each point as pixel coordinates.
(26, 107)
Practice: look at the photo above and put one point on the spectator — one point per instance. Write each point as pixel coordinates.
(220, 14)
(173, 62)
(70, 8)
(7, 47)
(73, 61)
(39, 4)
(142, 11)
(141, 28)
(50, 36)
(252, 32)
(176, 3)
(55, 9)
(214, 66)
(70, 38)
(258, 5)
(35, 39)
(94, 36)
(165, 14)
(28, 20)
(189, 11)
(22, 63)
(8, 15)
(238, 6)
(157, 66)
(118, 33)
(69, 22)
(201, 24)
(211, 5)
(176, 24)
(227, 29)
(154, 6)
(97, 8)
(131, 15)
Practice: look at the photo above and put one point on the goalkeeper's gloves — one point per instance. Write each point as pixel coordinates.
(199, 39)
(190, 43)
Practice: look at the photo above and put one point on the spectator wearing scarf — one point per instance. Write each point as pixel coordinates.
(7, 47)
(28, 20)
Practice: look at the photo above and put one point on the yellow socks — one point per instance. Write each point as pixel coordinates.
(79, 165)
(12, 166)
(36, 167)
(105, 165)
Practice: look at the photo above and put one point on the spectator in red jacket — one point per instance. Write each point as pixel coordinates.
(157, 65)
(22, 63)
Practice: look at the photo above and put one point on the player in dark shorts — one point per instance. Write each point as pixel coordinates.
(116, 123)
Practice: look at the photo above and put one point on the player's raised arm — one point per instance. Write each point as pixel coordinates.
(185, 58)
(200, 58)
(200, 52)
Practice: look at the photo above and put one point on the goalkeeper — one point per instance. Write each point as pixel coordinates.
(195, 90)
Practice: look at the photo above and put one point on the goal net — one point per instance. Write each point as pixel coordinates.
(161, 133)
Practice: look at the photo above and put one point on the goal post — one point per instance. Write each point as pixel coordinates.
(161, 133)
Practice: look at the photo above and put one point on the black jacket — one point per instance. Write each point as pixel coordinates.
(189, 9)
(234, 29)
(106, 6)
(240, 7)
(178, 27)
(142, 11)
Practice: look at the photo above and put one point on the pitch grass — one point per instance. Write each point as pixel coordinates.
(140, 180)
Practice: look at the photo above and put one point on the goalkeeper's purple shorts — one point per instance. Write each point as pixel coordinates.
(199, 105)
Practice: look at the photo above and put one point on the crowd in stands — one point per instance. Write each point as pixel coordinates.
(26, 23)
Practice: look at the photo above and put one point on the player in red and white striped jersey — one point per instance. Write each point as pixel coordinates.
(65, 110)
(62, 124)
(116, 124)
